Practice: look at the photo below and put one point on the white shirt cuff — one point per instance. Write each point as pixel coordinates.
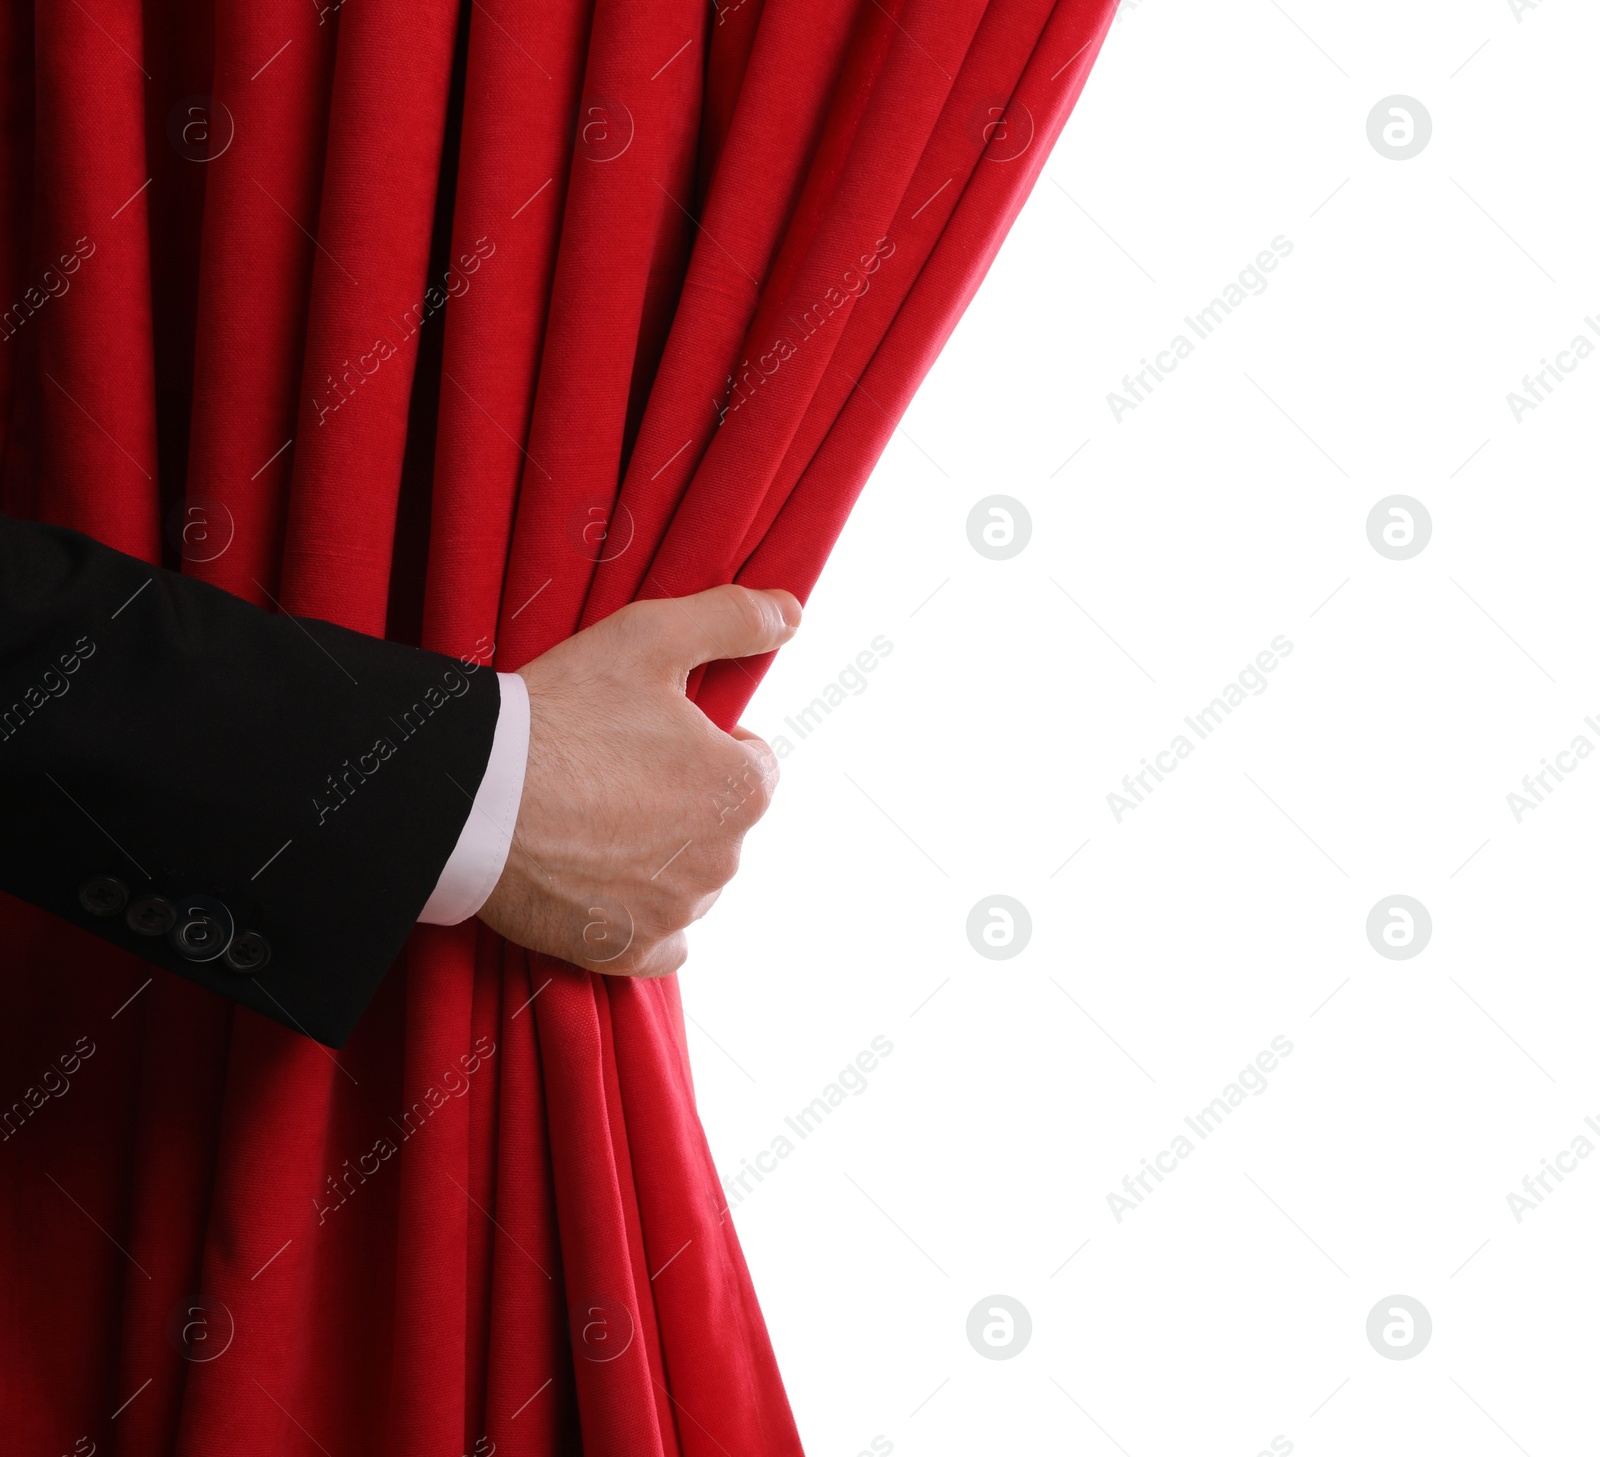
(474, 866)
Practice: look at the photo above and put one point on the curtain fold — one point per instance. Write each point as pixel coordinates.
(627, 300)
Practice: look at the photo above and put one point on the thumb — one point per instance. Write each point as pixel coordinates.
(725, 622)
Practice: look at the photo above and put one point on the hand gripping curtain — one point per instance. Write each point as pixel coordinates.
(472, 324)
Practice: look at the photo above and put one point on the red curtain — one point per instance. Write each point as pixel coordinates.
(462, 323)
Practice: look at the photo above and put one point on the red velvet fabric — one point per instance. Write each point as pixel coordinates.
(695, 265)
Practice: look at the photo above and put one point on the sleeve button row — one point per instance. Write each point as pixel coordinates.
(197, 927)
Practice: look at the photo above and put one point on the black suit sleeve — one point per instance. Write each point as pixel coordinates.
(259, 803)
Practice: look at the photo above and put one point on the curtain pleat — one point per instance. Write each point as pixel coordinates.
(633, 297)
(256, 264)
(95, 385)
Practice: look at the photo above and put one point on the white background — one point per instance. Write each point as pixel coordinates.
(1230, 907)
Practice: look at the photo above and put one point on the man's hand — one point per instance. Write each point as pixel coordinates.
(635, 804)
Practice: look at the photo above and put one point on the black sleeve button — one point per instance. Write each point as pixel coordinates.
(247, 953)
(151, 915)
(202, 929)
(102, 895)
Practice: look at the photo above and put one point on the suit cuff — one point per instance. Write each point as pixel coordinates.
(474, 866)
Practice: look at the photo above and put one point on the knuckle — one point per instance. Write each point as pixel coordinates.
(699, 877)
(662, 915)
(674, 952)
(722, 863)
(638, 622)
(662, 958)
(765, 767)
(635, 963)
(749, 607)
(636, 619)
(745, 785)
(644, 610)
(678, 914)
